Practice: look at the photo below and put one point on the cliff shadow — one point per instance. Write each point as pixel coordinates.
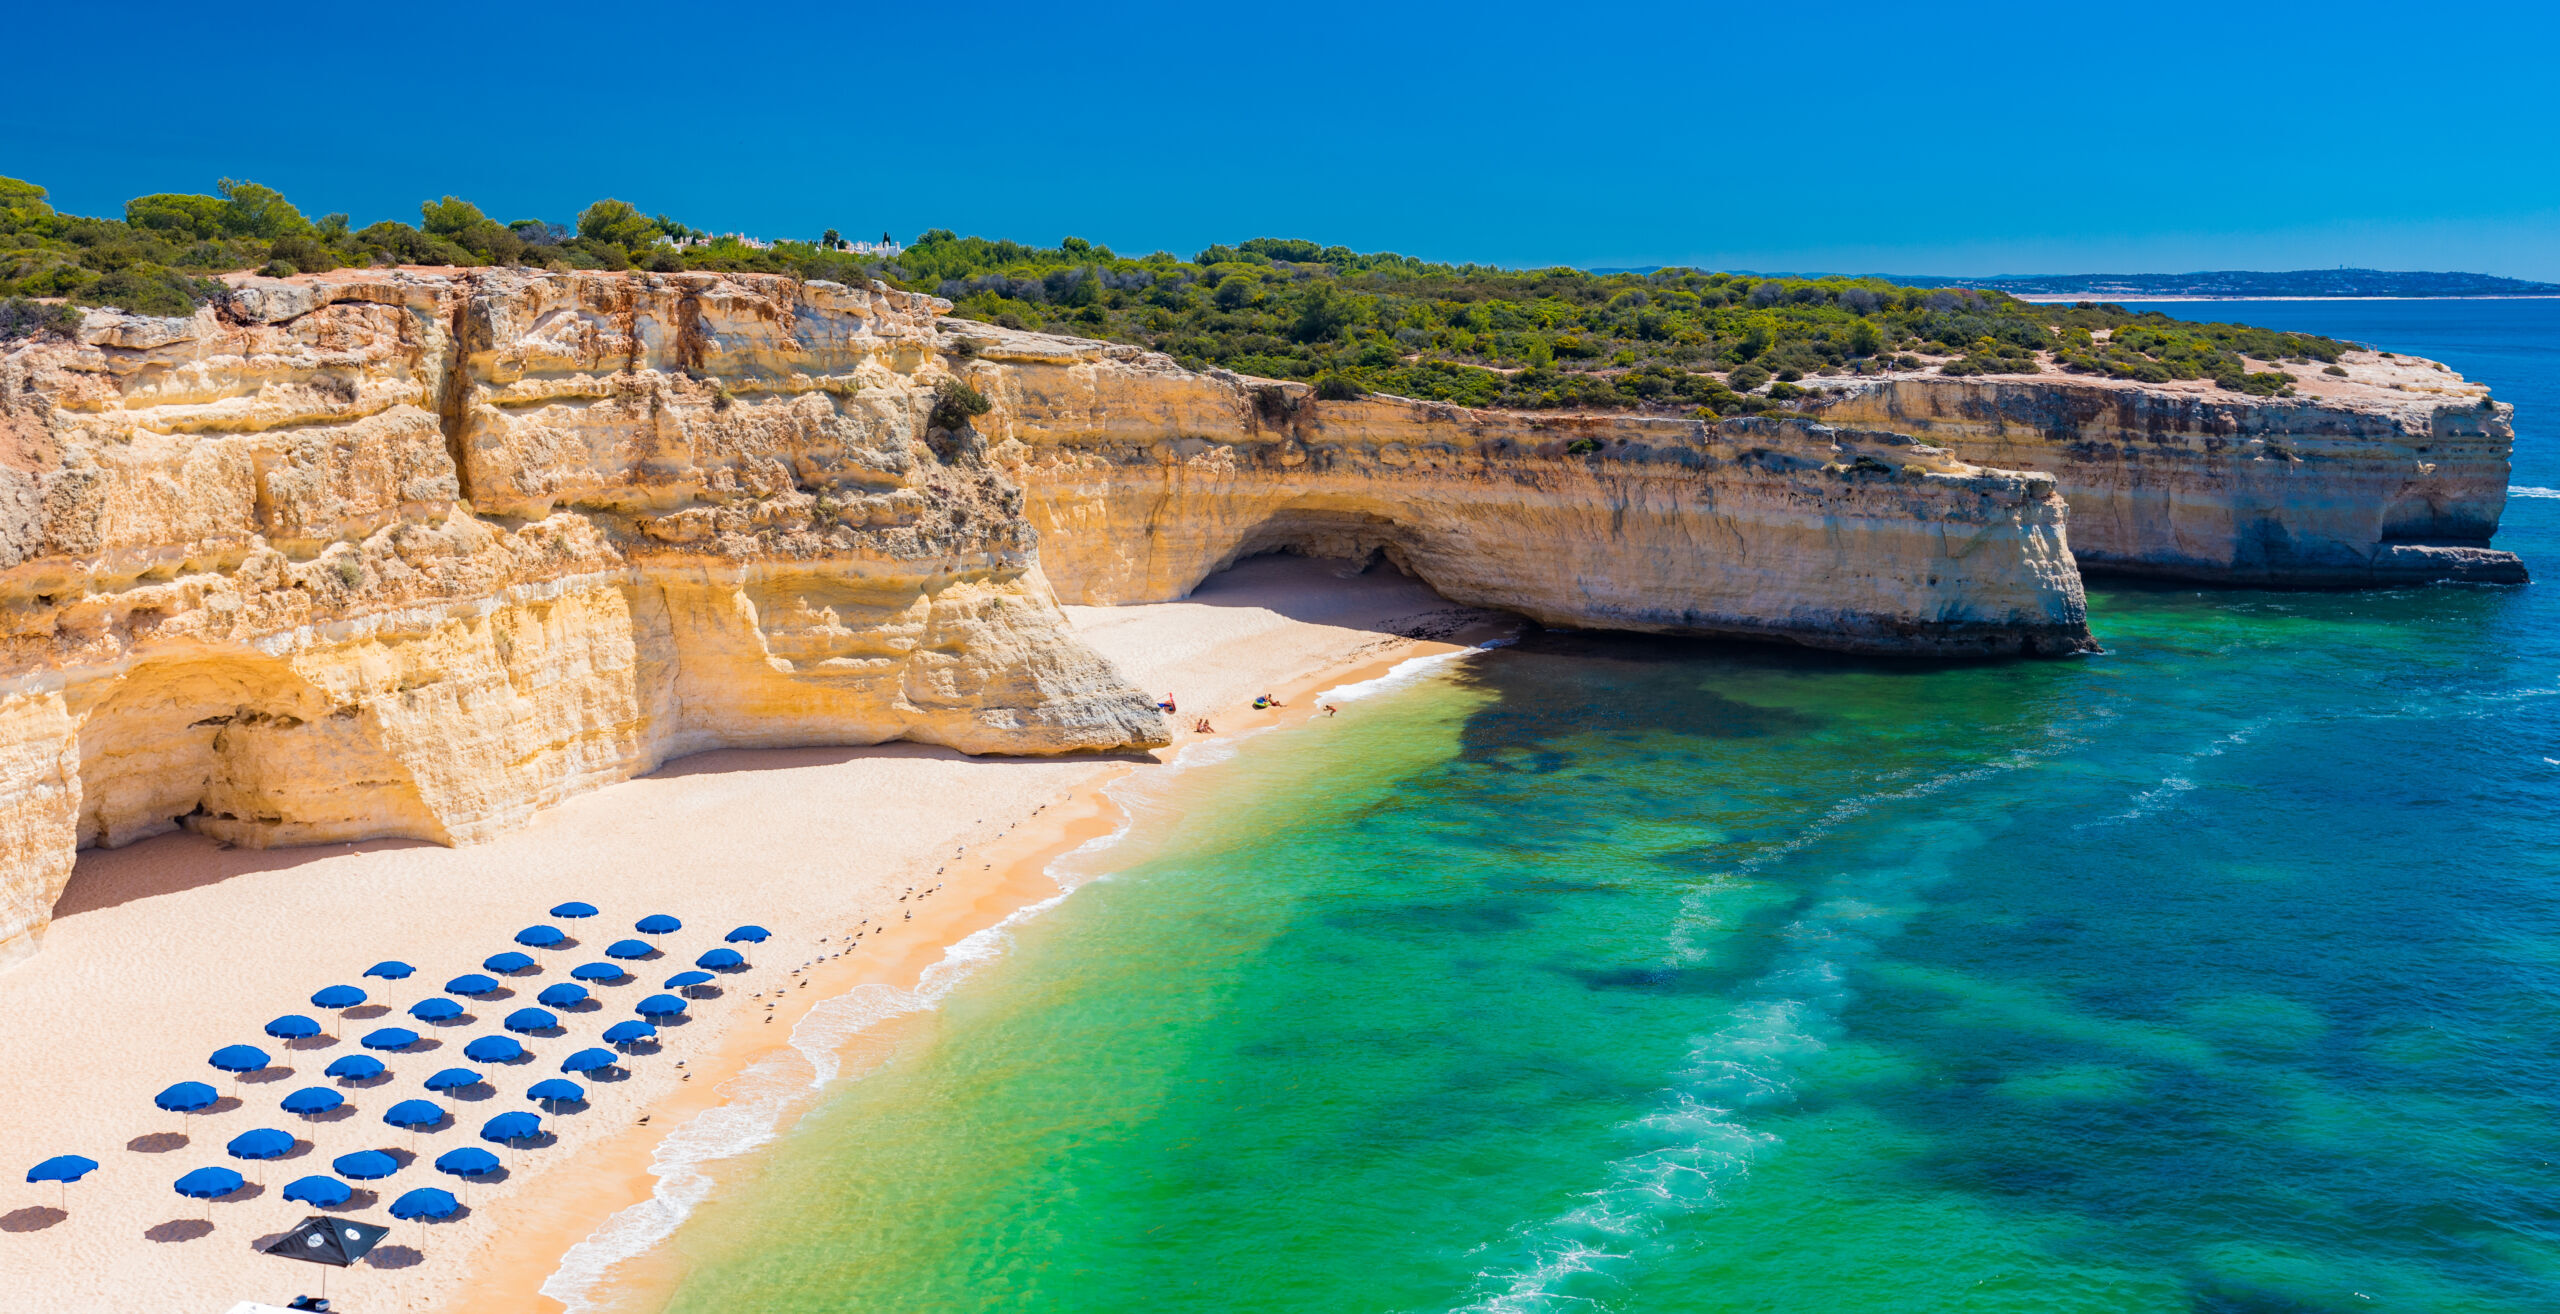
(1364, 592)
(184, 860)
(726, 761)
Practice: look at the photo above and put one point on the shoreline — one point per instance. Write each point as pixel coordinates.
(2063, 298)
(1019, 877)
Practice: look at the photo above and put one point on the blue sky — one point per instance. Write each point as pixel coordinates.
(1905, 137)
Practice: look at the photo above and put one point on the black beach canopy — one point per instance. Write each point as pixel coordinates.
(337, 1242)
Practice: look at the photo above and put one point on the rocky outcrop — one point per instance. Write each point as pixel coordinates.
(417, 554)
(2394, 473)
(1144, 478)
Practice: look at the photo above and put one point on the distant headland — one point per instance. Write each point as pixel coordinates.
(2227, 284)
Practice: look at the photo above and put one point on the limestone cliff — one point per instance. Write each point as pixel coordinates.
(1144, 478)
(2394, 473)
(416, 554)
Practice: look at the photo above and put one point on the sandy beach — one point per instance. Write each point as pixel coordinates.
(168, 949)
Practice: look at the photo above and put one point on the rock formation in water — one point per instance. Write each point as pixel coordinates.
(416, 553)
(2393, 474)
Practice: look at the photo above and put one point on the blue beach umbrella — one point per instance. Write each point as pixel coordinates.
(529, 1020)
(425, 1203)
(597, 972)
(293, 1026)
(63, 1169)
(391, 969)
(540, 937)
(210, 1183)
(338, 997)
(511, 1128)
(687, 980)
(657, 924)
(721, 959)
(186, 1097)
(438, 1009)
(561, 995)
(470, 984)
(656, 1006)
(389, 1038)
(365, 1165)
(320, 1192)
(469, 1161)
(623, 1033)
(260, 1145)
(354, 1067)
(588, 1060)
(493, 1049)
(553, 1090)
(236, 1059)
(630, 949)
(410, 1115)
(508, 963)
(749, 934)
(574, 909)
(453, 1079)
(313, 1099)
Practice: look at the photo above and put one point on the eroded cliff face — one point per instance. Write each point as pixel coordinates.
(416, 554)
(2396, 473)
(1145, 478)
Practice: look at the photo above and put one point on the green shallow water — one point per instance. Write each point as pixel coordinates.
(2219, 973)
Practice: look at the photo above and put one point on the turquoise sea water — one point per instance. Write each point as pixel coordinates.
(2217, 973)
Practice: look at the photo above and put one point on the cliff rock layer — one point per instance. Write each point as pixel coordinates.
(397, 554)
(2395, 473)
(1144, 478)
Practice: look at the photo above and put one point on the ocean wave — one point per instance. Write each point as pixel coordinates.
(2177, 782)
(1409, 671)
(2522, 490)
(1695, 1143)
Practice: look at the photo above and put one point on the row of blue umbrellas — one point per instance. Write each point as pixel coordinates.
(261, 1144)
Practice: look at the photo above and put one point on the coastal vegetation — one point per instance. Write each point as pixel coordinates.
(1347, 322)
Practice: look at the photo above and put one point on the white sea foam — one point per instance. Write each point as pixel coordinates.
(2522, 490)
(1409, 671)
(1695, 1142)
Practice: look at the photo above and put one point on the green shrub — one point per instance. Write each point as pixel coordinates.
(1745, 378)
(1334, 385)
(955, 404)
(2339, 370)
(22, 318)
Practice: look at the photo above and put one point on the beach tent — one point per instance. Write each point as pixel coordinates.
(508, 963)
(453, 1079)
(659, 1006)
(410, 1115)
(686, 980)
(469, 1161)
(493, 1049)
(624, 1033)
(588, 1060)
(435, 1010)
(364, 1165)
(629, 949)
(320, 1190)
(598, 972)
(64, 1169)
(293, 1026)
(469, 984)
(425, 1202)
(526, 1021)
(354, 1067)
(389, 1038)
(553, 1090)
(657, 924)
(313, 1099)
(561, 994)
(574, 909)
(540, 937)
(748, 935)
(721, 959)
(329, 1242)
(391, 969)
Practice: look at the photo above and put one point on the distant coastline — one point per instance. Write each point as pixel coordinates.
(2064, 298)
